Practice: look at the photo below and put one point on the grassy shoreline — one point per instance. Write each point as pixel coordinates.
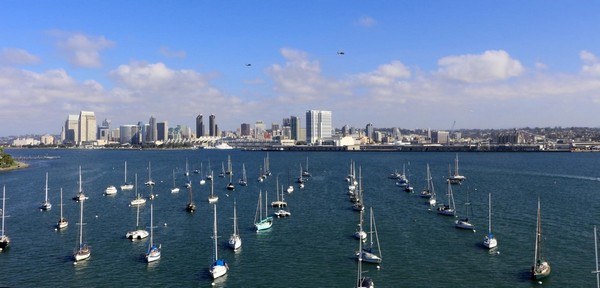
(16, 166)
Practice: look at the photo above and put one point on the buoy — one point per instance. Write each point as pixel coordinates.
(55, 229)
(96, 216)
(474, 231)
(212, 284)
(165, 224)
(378, 267)
(497, 252)
(540, 282)
(75, 263)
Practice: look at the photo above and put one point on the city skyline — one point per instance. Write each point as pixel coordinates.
(425, 64)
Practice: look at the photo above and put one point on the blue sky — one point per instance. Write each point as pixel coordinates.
(409, 64)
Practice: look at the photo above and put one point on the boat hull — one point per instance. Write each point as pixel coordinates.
(218, 269)
(464, 224)
(235, 242)
(264, 224)
(490, 242)
(153, 254)
(541, 270)
(366, 256)
(137, 235)
(82, 254)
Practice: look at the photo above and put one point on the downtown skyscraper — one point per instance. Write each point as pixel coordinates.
(318, 126)
(199, 126)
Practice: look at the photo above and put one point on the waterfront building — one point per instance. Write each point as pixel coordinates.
(295, 128)
(199, 126)
(212, 126)
(152, 130)
(318, 126)
(71, 133)
(103, 132)
(128, 134)
(245, 130)
(162, 131)
(87, 127)
(369, 130)
(440, 137)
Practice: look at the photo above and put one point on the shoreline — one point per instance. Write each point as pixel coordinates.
(18, 165)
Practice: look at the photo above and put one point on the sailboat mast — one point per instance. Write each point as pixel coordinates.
(3, 207)
(537, 235)
(151, 227)
(80, 188)
(215, 256)
(125, 171)
(489, 213)
(61, 205)
(80, 223)
(235, 219)
(456, 165)
(596, 249)
(46, 187)
(137, 218)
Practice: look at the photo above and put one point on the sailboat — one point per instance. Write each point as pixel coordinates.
(278, 203)
(175, 189)
(290, 188)
(4, 240)
(80, 196)
(230, 186)
(597, 271)
(202, 180)
(139, 232)
(139, 200)
(541, 268)
(305, 172)
(222, 174)
(267, 166)
(229, 170)
(212, 198)
(300, 179)
(371, 254)
(149, 182)
(464, 223)
(110, 190)
(235, 241)
(450, 208)
(360, 233)
(126, 185)
(191, 206)
(209, 177)
(490, 241)
(62, 221)
(244, 180)
(357, 198)
(83, 251)
(46, 204)
(259, 222)
(362, 282)
(153, 252)
(429, 190)
(187, 171)
(282, 212)
(455, 178)
(218, 267)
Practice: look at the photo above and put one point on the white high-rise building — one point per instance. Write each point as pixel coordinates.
(318, 126)
(152, 130)
(71, 130)
(87, 127)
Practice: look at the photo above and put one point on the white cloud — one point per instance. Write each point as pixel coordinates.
(492, 65)
(366, 21)
(14, 56)
(165, 51)
(82, 50)
(591, 65)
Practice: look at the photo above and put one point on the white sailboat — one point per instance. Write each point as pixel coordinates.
(490, 241)
(80, 196)
(465, 223)
(153, 252)
(455, 178)
(149, 182)
(282, 212)
(110, 190)
(139, 232)
(360, 233)
(4, 240)
(209, 176)
(244, 180)
(229, 170)
(126, 185)
(191, 205)
(371, 254)
(426, 193)
(62, 221)
(305, 172)
(235, 241)
(212, 198)
(202, 180)
(139, 200)
(597, 271)
(82, 251)
(259, 222)
(278, 202)
(46, 204)
(175, 189)
(218, 267)
(362, 282)
(450, 208)
(541, 268)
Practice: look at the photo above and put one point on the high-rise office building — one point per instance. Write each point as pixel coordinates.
(71, 134)
(104, 131)
(87, 127)
(369, 130)
(245, 129)
(162, 129)
(295, 128)
(152, 130)
(128, 134)
(318, 126)
(212, 125)
(199, 126)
